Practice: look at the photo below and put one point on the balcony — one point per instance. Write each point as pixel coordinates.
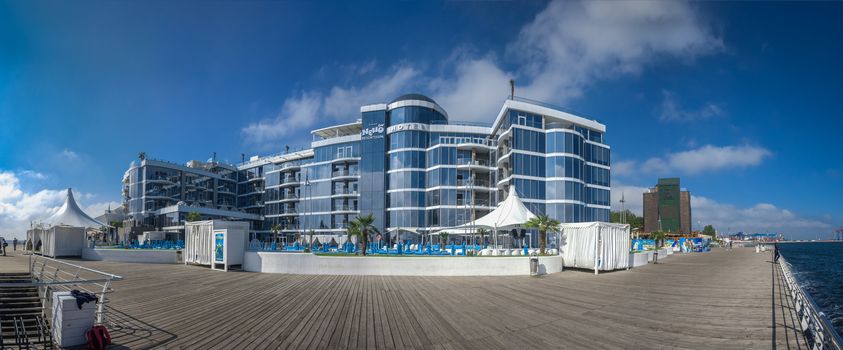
(340, 225)
(477, 203)
(289, 212)
(478, 184)
(348, 208)
(251, 191)
(477, 144)
(253, 205)
(474, 164)
(345, 173)
(345, 159)
(344, 192)
(290, 184)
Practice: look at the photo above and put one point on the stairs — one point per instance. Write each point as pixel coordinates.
(21, 323)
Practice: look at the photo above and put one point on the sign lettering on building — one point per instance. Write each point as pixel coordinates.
(374, 131)
(407, 127)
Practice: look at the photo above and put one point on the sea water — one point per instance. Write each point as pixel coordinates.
(818, 266)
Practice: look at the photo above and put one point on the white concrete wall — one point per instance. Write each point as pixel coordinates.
(147, 256)
(309, 264)
(638, 259)
(662, 254)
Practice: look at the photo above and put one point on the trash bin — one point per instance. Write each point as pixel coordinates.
(179, 257)
(534, 265)
(656, 256)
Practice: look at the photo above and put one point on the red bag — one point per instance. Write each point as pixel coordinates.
(98, 337)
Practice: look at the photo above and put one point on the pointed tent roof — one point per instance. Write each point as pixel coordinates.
(70, 214)
(512, 212)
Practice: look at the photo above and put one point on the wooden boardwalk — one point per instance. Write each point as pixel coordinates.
(717, 300)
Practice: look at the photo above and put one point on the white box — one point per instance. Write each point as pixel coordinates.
(69, 321)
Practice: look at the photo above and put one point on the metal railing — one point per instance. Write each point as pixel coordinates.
(51, 275)
(818, 330)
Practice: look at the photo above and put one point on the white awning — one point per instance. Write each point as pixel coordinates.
(71, 215)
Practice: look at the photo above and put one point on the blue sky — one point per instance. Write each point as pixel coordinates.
(740, 100)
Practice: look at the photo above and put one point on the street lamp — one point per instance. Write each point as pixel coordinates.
(623, 209)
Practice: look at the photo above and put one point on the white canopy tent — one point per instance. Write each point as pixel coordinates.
(595, 245)
(63, 233)
(70, 214)
(509, 214)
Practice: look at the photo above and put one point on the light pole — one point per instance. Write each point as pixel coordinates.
(623, 209)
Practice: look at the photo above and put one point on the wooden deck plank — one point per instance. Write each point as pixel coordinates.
(716, 300)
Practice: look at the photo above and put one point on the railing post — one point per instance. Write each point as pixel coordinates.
(101, 305)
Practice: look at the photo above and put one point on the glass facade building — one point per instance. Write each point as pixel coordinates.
(406, 163)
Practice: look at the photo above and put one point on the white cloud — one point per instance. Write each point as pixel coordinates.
(565, 49)
(633, 197)
(699, 160)
(623, 168)
(571, 44)
(671, 110)
(33, 174)
(761, 217)
(18, 207)
(299, 113)
(475, 92)
(68, 154)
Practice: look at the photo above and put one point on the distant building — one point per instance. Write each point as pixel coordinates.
(667, 207)
(113, 215)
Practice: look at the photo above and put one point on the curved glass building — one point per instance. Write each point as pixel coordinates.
(405, 162)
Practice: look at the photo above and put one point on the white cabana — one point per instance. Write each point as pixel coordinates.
(63, 233)
(509, 214)
(595, 245)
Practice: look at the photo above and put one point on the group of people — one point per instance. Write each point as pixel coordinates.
(4, 245)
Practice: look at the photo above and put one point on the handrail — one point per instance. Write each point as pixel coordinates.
(49, 274)
(814, 323)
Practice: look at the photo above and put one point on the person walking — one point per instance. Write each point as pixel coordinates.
(775, 252)
(15, 244)
(3, 245)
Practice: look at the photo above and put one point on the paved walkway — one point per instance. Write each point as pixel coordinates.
(716, 300)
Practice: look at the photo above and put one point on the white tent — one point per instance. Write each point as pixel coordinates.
(63, 233)
(71, 215)
(595, 245)
(510, 213)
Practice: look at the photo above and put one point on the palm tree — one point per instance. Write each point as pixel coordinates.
(543, 223)
(362, 227)
(275, 228)
(443, 240)
(193, 216)
(482, 232)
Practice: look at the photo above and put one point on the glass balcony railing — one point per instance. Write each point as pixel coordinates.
(477, 203)
(468, 183)
(344, 191)
(466, 161)
(339, 173)
(345, 208)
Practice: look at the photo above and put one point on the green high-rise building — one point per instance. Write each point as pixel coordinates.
(667, 207)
